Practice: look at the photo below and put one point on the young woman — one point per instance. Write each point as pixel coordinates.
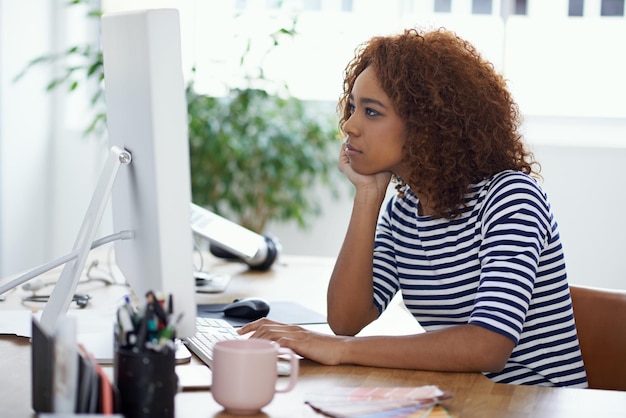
(469, 240)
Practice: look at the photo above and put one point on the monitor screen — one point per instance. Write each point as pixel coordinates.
(147, 115)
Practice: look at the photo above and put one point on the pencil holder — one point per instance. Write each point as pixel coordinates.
(146, 381)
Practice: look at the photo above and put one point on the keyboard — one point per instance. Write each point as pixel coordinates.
(211, 330)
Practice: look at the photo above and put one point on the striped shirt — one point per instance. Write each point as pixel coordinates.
(499, 265)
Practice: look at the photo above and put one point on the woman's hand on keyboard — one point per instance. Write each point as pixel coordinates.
(323, 348)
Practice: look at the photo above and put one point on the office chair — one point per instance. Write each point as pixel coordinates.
(600, 316)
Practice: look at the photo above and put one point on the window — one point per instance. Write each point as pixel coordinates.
(312, 5)
(240, 4)
(612, 8)
(576, 7)
(481, 7)
(520, 7)
(443, 6)
(607, 7)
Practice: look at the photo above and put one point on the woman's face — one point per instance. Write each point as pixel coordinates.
(375, 131)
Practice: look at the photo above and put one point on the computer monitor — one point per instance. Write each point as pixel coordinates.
(147, 115)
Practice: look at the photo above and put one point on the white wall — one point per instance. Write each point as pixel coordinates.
(585, 186)
(47, 168)
(571, 96)
(24, 135)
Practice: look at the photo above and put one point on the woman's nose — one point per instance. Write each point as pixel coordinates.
(350, 126)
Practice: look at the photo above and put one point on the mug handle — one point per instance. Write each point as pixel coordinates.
(295, 364)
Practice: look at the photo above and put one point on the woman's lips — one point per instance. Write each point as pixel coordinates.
(351, 151)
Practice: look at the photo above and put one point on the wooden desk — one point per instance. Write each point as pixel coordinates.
(304, 279)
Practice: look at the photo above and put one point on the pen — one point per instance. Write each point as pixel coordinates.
(167, 334)
(156, 307)
(125, 324)
(142, 332)
(132, 311)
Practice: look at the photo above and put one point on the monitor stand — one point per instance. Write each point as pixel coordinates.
(65, 287)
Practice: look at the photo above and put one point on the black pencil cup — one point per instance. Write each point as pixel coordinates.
(146, 381)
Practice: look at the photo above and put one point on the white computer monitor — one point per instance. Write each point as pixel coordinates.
(147, 115)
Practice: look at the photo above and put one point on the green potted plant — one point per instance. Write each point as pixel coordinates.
(255, 154)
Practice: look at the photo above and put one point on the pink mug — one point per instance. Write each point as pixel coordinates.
(244, 374)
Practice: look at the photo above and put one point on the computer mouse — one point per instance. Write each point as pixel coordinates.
(248, 308)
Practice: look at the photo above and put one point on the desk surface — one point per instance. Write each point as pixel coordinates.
(303, 280)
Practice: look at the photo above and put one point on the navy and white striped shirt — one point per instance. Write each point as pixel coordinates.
(499, 265)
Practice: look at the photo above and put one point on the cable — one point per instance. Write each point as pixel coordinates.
(81, 299)
(122, 235)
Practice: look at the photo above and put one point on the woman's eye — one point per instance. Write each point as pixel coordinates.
(371, 112)
(367, 110)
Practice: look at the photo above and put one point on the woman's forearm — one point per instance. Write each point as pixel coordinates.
(350, 291)
(461, 348)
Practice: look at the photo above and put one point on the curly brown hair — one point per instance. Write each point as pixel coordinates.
(461, 123)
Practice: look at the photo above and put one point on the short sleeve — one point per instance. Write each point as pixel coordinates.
(515, 227)
(385, 274)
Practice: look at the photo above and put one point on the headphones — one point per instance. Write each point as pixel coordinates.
(262, 261)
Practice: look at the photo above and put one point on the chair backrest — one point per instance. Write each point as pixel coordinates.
(600, 316)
